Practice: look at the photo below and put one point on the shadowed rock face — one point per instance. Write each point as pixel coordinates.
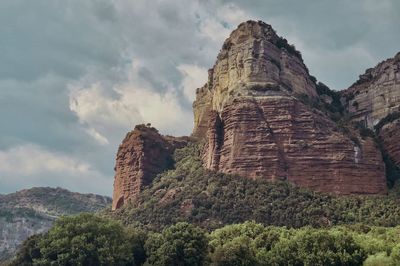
(374, 97)
(255, 126)
(143, 154)
(390, 139)
(376, 94)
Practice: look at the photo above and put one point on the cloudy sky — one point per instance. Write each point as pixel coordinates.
(76, 75)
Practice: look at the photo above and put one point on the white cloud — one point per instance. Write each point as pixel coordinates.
(233, 15)
(109, 112)
(97, 136)
(193, 77)
(32, 165)
(214, 30)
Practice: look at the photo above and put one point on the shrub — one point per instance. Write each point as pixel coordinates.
(28, 252)
(179, 244)
(317, 247)
(379, 259)
(85, 240)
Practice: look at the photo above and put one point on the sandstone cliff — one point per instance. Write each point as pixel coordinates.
(376, 94)
(255, 125)
(262, 116)
(253, 61)
(390, 139)
(143, 154)
(374, 101)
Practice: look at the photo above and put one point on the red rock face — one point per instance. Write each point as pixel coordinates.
(143, 154)
(253, 123)
(257, 128)
(390, 137)
(279, 138)
(375, 96)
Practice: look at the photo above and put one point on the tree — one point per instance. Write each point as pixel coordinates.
(237, 252)
(28, 251)
(180, 244)
(85, 239)
(137, 239)
(395, 254)
(317, 247)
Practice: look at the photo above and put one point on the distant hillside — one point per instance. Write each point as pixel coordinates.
(32, 211)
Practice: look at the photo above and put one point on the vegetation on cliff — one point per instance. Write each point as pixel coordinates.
(191, 193)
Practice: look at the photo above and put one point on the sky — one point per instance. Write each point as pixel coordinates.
(76, 76)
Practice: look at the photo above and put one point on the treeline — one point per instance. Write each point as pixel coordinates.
(87, 239)
(193, 194)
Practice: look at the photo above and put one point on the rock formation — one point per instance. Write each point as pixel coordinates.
(253, 60)
(374, 101)
(257, 127)
(143, 154)
(261, 115)
(376, 94)
(390, 139)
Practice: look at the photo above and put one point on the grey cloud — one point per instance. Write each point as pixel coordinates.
(329, 27)
(47, 46)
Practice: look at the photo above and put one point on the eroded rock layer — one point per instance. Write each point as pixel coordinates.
(376, 94)
(254, 60)
(279, 138)
(257, 127)
(143, 154)
(390, 139)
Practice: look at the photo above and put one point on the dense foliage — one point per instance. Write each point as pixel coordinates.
(180, 244)
(34, 210)
(81, 240)
(191, 193)
(90, 240)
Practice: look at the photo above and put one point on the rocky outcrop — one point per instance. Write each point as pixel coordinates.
(279, 138)
(262, 116)
(374, 101)
(258, 128)
(143, 154)
(254, 60)
(390, 139)
(376, 94)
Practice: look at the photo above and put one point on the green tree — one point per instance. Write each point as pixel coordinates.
(379, 259)
(85, 239)
(317, 247)
(28, 251)
(137, 239)
(237, 252)
(179, 244)
(395, 254)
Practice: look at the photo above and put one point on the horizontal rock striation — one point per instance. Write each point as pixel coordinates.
(258, 128)
(261, 115)
(143, 154)
(376, 94)
(253, 60)
(390, 139)
(374, 101)
(279, 138)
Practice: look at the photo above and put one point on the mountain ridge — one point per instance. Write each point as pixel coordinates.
(33, 211)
